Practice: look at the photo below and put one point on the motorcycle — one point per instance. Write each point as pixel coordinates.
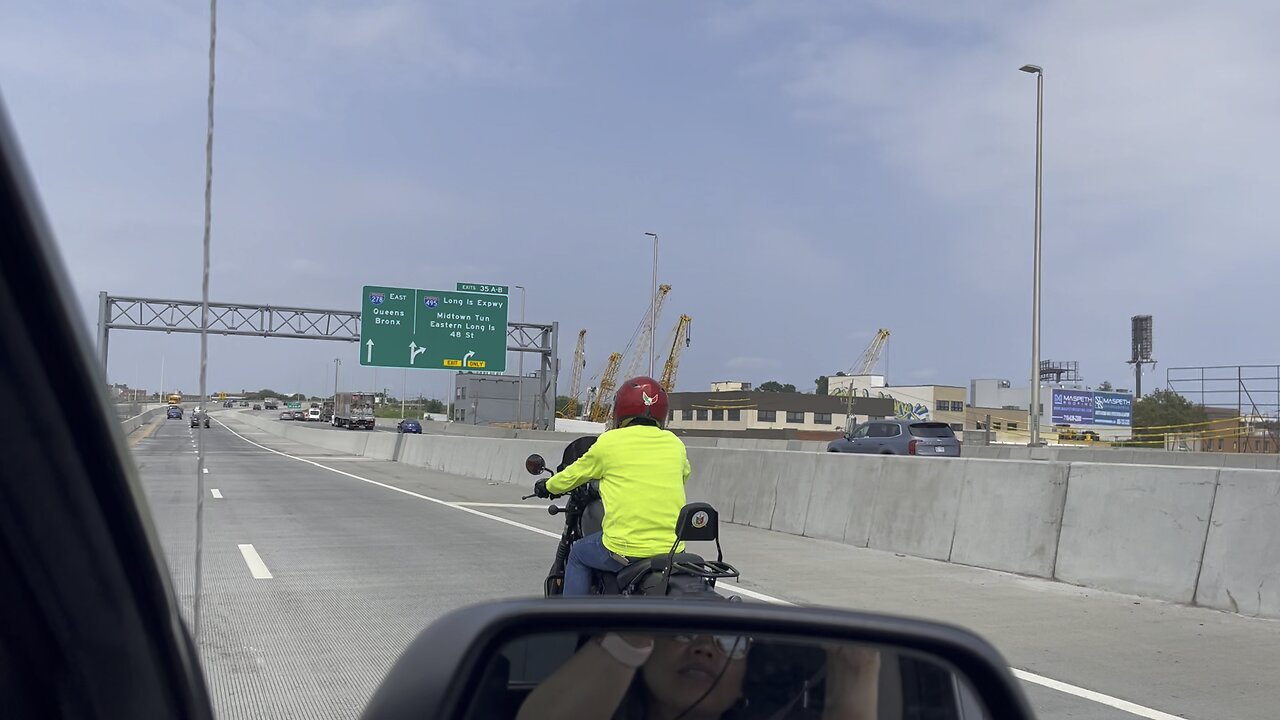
(676, 574)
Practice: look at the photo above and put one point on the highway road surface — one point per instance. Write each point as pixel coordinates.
(320, 567)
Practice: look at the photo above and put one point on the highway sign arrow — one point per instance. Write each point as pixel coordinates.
(415, 351)
(368, 353)
(467, 357)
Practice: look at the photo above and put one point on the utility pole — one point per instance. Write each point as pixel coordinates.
(336, 363)
(1035, 297)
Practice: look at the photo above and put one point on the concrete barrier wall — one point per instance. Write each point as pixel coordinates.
(1188, 534)
(129, 425)
(1241, 568)
(1140, 529)
(1009, 516)
(1139, 456)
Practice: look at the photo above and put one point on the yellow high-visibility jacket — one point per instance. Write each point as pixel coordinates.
(642, 471)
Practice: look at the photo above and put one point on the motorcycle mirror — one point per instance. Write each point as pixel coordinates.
(491, 660)
(535, 465)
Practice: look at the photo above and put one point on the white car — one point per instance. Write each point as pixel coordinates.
(313, 415)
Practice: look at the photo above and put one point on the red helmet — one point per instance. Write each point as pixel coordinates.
(640, 397)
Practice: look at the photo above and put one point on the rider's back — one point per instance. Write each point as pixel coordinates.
(642, 470)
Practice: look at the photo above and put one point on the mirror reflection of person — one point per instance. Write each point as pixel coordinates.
(699, 677)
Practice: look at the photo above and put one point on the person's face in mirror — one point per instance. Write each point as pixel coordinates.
(682, 668)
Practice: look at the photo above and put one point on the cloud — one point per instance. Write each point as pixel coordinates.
(751, 363)
(1159, 145)
(923, 373)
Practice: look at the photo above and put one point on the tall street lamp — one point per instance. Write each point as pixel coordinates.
(336, 363)
(1035, 299)
(653, 305)
(520, 361)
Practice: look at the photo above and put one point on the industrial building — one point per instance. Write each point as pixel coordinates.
(937, 403)
(490, 399)
(732, 407)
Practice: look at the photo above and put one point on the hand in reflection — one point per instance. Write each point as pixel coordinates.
(853, 682)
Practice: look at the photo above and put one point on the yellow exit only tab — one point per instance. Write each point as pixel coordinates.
(475, 363)
(453, 363)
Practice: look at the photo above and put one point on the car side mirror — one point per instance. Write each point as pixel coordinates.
(535, 465)
(552, 659)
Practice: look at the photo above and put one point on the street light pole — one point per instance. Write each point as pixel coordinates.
(336, 363)
(653, 305)
(1034, 410)
(520, 361)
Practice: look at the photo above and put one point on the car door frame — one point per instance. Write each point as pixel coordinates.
(94, 623)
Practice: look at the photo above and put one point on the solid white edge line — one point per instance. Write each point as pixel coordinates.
(1069, 689)
(1086, 694)
(251, 558)
(525, 506)
(216, 492)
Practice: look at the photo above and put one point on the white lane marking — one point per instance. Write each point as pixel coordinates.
(1117, 703)
(206, 472)
(218, 494)
(254, 561)
(525, 506)
(336, 458)
(410, 493)
(1123, 705)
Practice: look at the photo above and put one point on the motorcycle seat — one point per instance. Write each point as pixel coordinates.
(640, 566)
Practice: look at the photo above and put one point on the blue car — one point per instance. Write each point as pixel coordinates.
(175, 413)
(409, 426)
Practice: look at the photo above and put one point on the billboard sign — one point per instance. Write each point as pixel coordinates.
(1085, 407)
(1112, 409)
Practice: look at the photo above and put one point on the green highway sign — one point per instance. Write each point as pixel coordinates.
(482, 288)
(293, 405)
(433, 329)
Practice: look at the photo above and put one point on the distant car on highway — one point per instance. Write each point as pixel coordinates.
(256, 406)
(899, 437)
(195, 419)
(174, 413)
(227, 404)
(286, 415)
(409, 425)
(313, 415)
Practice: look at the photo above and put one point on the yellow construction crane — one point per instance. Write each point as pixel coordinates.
(604, 391)
(575, 385)
(679, 341)
(603, 399)
(864, 366)
(640, 340)
(871, 355)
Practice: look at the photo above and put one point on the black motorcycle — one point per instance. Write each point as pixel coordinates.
(674, 574)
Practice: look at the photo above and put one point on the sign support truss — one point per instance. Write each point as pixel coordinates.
(261, 320)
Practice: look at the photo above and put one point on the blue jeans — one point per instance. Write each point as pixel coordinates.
(584, 555)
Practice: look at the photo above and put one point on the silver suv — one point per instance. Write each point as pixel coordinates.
(899, 437)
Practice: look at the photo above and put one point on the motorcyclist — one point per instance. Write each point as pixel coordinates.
(642, 470)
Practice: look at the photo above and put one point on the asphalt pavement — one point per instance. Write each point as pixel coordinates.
(362, 554)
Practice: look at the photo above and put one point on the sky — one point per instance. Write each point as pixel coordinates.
(814, 170)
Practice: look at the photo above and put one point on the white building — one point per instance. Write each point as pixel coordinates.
(940, 403)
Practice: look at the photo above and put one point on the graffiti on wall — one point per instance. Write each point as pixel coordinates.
(901, 410)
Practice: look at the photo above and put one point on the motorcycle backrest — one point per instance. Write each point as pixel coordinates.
(698, 521)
